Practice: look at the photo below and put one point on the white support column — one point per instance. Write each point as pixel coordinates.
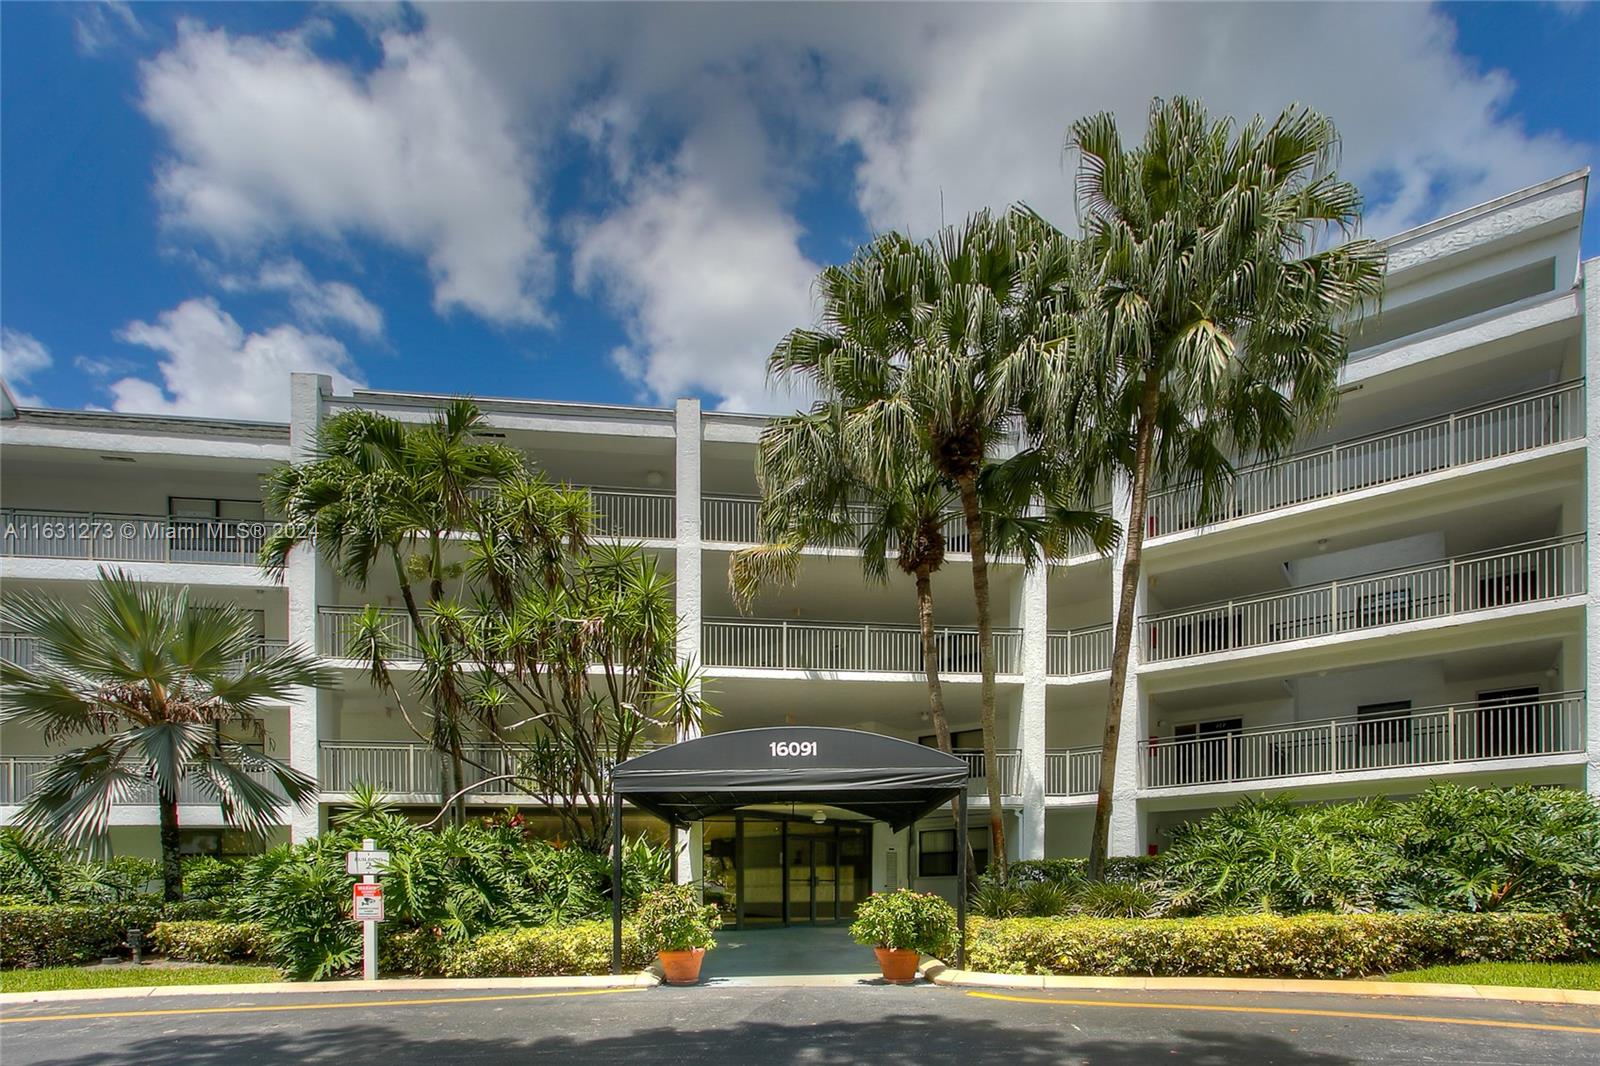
(1591, 362)
(308, 582)
(1127, 823)
(687, 466)
(1031, 722)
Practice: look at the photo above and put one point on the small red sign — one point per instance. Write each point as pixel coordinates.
(367, 902)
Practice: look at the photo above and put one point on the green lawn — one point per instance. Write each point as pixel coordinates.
(1519, 974)
(58, 977)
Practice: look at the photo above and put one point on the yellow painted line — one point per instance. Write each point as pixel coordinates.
(1223, 1009)
(351, 1005)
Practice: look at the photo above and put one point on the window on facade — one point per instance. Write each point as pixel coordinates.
(1506, 723)
(220, 843)
(936, 852)
(960, 740)
(1384, 723)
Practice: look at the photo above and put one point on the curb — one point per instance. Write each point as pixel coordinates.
(940, 974)
(643, 979)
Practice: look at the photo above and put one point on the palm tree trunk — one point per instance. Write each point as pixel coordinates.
(1122, 636)
(941, 724)
(980, 595)
(171, 862)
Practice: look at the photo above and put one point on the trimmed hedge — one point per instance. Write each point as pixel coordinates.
(546, 951)
(67, 934)
(1307, 945)
(414, 951)
(1120, 870)
(208, 941)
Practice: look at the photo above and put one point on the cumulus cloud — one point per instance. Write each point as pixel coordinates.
(315, 303)
(209, 365)
(269, 141)
(940, 110)
(22, 356)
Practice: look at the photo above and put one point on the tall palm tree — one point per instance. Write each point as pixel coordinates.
(928, 349)
(1215, 323)
(166, 687)
(380, 493)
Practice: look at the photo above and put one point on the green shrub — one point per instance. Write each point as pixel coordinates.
(994, 900)
(198, 910)
(414, 951)
(1046, 899)
(210, 941)
(1120, 869)
(550, 951)
(210, 879)
(1311, 945)
(1108, 899)
(915, 921)
(67, 934)
(672, 918)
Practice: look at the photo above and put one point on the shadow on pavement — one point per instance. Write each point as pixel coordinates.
(891, 1039)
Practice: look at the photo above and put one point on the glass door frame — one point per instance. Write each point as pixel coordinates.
(832, 831)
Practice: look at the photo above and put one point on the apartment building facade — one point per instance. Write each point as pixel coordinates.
(1411, 596)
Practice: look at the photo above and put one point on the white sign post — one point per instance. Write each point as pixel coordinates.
(367, 901)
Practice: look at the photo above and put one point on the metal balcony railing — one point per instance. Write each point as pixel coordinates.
(736, 520)
(24, 650)
(1010, 770)
(129, 538)
(1521, 727)
(1079, 651)
(20, 776)
(336, 625)
(1072, 772)
(1500, 578)
(408, 768)
(848, 646)
(1505, 427)
(635, 513)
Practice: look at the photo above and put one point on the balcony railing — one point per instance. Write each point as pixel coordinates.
(1010, 771)
(129, 538)
(736, 520)
(1524, 727)
(337, 625)
(1072, 772)
(1501, 578)
(406, 768)
(634, 513)
(847, 646)
(24, 650)
(1505, 427)
(20, 776)
(1079, 651)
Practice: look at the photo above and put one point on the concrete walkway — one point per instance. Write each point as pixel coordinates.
(793, 951)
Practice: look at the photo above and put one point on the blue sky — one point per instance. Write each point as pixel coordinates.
(620, 204)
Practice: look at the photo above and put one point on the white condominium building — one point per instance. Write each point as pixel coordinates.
(1410, 597)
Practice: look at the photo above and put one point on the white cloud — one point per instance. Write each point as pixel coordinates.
(270, 141)
(314, 303)
(98, 27)
(210, 366)
(22, 356)
(944, 109)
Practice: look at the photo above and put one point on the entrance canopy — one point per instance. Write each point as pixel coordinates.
(886, 779)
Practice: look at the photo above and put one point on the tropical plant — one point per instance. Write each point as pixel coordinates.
(904, 920)
(551, 647)
(921, 365)
(672, 918)
(172, 690)
(1213, 321)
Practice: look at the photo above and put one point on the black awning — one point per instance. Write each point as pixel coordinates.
(893, 781)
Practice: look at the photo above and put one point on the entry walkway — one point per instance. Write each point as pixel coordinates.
(793, 951)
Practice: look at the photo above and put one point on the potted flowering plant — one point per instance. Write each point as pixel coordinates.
(901, 927)
(675, 925)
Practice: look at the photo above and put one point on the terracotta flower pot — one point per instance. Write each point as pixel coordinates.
(899, 965)
(681, 967)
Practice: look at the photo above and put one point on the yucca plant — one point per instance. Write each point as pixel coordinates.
(168, 690)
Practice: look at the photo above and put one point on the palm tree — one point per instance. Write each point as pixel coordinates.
(928, 349)
(166, 687)
(380, 492)
(1215, 322)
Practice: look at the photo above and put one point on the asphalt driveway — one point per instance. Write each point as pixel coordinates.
(774, 1026)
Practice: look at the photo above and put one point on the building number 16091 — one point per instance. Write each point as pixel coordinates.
(793, 749)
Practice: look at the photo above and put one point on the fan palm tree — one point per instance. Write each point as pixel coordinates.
(1215, 322)
(928, 350)
(166, 687)
(380, 493)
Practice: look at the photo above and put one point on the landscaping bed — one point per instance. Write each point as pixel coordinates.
(127, 975)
